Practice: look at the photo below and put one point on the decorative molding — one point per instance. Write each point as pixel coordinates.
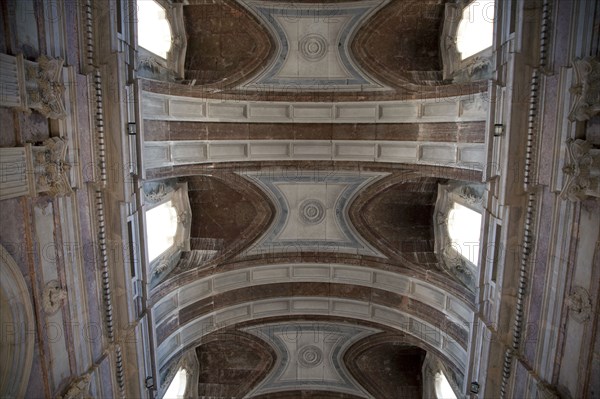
(468, 108)
(524, 272)
(532, 124)
(579, 304)
(53, 297)
(582, 172)
(586, 89)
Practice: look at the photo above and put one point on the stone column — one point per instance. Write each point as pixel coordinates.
(16, 169)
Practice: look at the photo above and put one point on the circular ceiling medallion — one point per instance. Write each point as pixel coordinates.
(312, 211)
(310, 356)
(313, 47)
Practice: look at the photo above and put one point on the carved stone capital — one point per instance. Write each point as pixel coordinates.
(582, 171)
(78, 389)
(44, 87)
(580, 304)
(586, 89)
(51, 169)
(53, 296)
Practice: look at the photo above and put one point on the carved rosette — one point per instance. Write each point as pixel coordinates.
(586, 89)
(312, 212)
(582, 172)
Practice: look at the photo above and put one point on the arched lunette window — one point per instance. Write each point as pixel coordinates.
(161, 38)
(443, 389)
(476, 28)
(464, 231)
(467, 38)
(458, 219)
(177, 387)
(154, 30)
(167, 221)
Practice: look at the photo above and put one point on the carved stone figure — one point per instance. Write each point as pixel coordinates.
(53, 297)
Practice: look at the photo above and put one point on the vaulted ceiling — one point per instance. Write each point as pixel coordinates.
(349, 50)
(321, 275)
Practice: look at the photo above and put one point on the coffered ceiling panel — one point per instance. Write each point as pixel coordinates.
(312, 211)
(313, 45)
(310, 356)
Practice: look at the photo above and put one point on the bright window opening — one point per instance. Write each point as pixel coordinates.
(177, 388)
(464, 227)
(443, 390)
(154, 32)
(161, 227)
(476, 29)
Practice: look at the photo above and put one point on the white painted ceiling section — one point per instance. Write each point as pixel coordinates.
(159, 154)
(455, 309)
(467, 108)
(190, 334)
